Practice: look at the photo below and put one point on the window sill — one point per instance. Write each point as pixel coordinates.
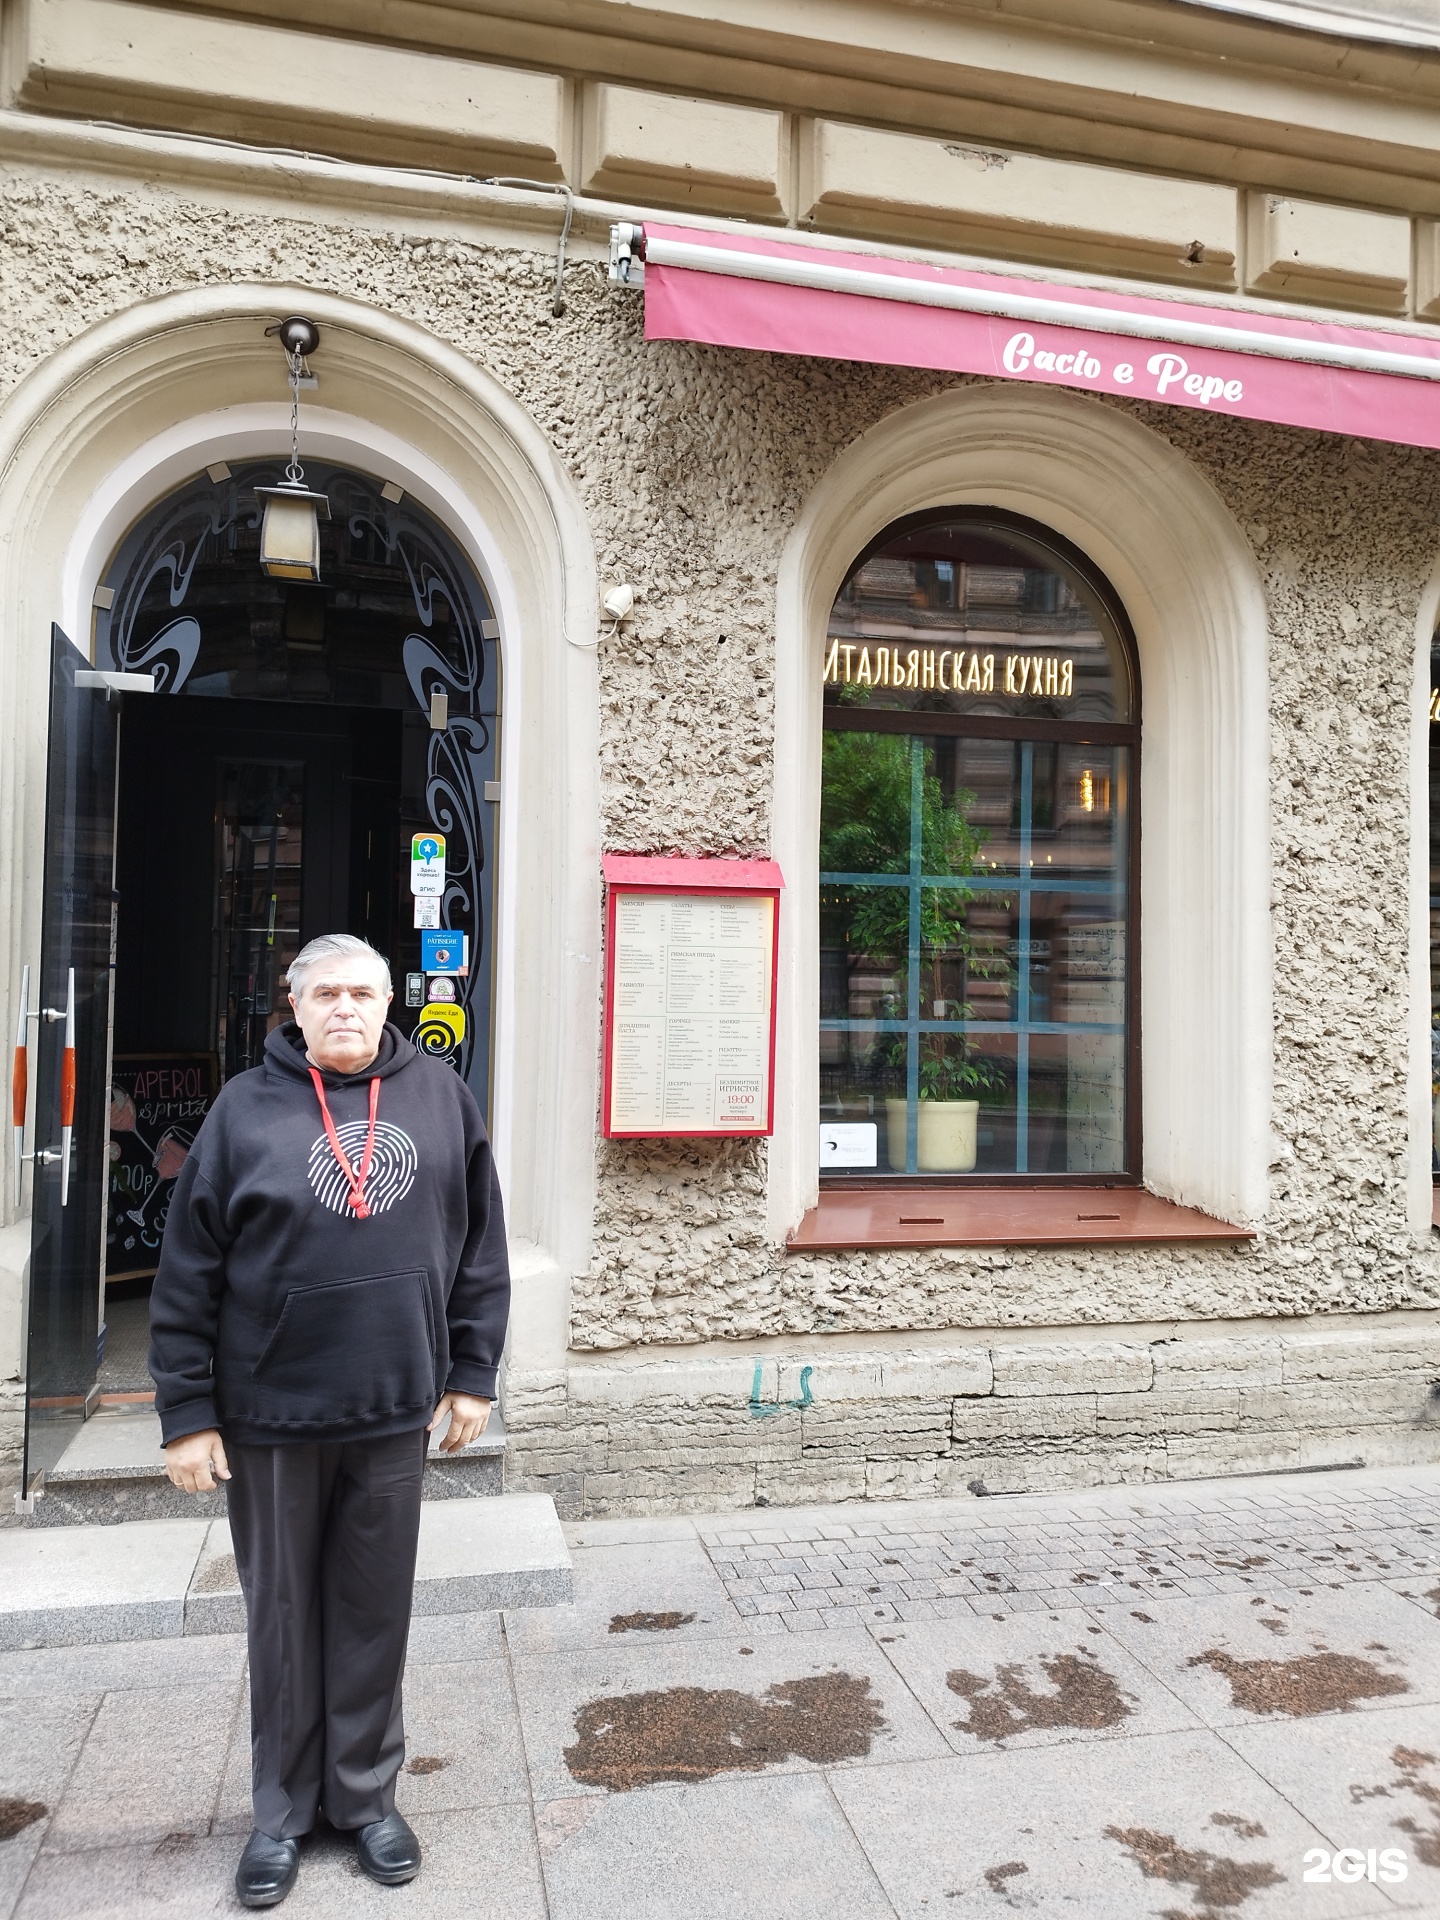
(860, 1218)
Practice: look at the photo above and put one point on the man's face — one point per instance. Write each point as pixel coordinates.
(341, 1011)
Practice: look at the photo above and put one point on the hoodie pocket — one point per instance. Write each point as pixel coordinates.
(350, 1350)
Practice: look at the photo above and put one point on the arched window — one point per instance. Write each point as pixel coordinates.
(978, 842)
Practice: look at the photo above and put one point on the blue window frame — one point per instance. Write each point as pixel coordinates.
(978, 841)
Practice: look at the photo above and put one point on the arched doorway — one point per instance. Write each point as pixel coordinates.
(300, 739)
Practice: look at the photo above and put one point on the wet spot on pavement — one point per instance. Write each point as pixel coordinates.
(1311, 1683)
(1083, 1695)
(693, 1733)
(1237, 1823)
(219, 1576)
(649, 1622)
(1219, 1884)
(995, 1877)
(1413, 1765)
(426, 1763)
(16, 1815)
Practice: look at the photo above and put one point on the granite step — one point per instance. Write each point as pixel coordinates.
(159, 1579)
(113, 1471)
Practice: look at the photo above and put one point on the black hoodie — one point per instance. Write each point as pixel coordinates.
(277, 1314)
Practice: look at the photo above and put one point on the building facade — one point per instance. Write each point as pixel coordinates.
(1178, 1219)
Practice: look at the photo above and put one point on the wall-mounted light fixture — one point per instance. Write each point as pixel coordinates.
(290, 531)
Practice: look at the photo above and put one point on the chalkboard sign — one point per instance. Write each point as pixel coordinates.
(157, 1101)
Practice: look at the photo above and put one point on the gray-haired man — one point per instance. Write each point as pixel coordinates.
(332, 1284)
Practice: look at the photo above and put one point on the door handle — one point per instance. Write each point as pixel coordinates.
(67, 1092)
(20, 1080)
(20, 1085)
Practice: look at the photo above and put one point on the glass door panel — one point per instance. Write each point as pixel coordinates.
(76, 940)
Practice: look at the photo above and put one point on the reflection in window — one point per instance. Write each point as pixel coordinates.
(259, 821)
(975, 848)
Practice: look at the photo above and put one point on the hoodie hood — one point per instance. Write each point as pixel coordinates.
(285, 1056)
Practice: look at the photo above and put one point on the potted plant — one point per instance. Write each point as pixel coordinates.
(947, 1121)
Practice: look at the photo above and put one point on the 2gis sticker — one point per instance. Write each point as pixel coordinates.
(427, 865)
(1166, 375)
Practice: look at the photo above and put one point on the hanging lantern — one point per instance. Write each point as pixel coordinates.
(290, 531)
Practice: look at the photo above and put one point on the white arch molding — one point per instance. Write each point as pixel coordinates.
(1189, 582)
(119, 417)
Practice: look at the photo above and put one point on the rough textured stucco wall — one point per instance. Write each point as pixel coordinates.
(692, 463)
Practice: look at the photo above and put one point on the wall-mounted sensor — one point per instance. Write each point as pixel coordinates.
(619, 601)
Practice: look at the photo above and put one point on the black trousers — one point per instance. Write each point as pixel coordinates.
(325, 1540)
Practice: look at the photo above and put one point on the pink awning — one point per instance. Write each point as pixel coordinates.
(774, 296)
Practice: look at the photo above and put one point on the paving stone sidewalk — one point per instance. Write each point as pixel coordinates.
(933, 1560)
(1145, 1704)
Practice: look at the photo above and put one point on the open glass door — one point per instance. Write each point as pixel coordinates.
(68, 1028)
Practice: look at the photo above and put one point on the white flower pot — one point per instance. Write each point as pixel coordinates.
(944, 1135)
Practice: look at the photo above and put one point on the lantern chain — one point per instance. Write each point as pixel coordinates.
(294, 472)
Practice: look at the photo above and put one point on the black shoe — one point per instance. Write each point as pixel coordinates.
(266, 1871)
(388, 1851)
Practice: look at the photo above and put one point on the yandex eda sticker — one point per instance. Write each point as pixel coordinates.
(427, 864)
(1161, 374)
(440, 1028)
(445, 952)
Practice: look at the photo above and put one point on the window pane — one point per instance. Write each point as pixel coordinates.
(966, 617)
(974, 955)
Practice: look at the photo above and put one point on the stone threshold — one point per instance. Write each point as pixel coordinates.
(162, 1579)
(113, 1471)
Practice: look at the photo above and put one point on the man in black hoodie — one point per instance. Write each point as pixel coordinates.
(333, 1283)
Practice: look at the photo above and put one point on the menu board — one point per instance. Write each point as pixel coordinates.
(157, 1101)
(691, 1004)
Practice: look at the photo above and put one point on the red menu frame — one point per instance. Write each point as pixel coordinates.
(628, 873)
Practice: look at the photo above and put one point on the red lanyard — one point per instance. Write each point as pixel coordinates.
(356, 1180)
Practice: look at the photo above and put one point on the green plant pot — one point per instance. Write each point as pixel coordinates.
(944, 1135)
